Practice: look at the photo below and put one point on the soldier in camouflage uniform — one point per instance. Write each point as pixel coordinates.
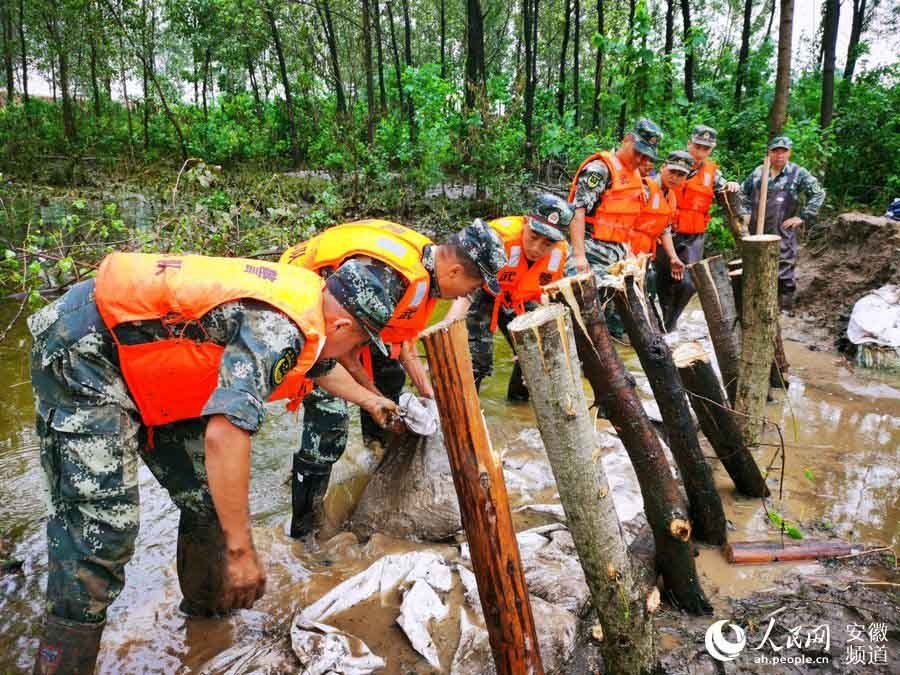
(592, 181)
(788, 182)
(91, 435)
(326, 419)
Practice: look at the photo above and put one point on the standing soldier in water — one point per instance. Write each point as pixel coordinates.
(607, 194)
(694, 200)
(787, 183)
(172, 359)
(536, 247)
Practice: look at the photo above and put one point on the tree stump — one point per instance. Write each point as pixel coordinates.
(545, 346)
(759, 319)
(483, 502)
(780, 365)
(706, 511)
(717, 419)
(613, 388)
(717, 299)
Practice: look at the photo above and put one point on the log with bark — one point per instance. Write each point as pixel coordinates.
(755, 552)
(614, 391)
(730, 203)
(780, 365)
(545, 347)
(483, 502)
(706, 511)
(717, 419)
(759, 321)
(717, 299)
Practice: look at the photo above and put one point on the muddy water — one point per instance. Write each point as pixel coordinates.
(840, 425)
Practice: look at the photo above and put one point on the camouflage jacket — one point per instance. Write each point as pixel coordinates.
(804, 185)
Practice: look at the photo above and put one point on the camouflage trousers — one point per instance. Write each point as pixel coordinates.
(675, 295)
(481, 339)
(600, 255)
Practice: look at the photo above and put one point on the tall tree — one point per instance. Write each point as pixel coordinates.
(367, 66)
(24, 49)
(829, 47)
(396, 55)
(443, 22)
(285, 81)
(475, 82)
(324, 9)
(688, 50)
(857, 26)
(623, 109)
(382, 93)
(778, 113)
(407, 57)
(529, 28)
(669, 45)
(743, 54)
(576, 65)
(6, 11)
(561, 86)
(598, 67)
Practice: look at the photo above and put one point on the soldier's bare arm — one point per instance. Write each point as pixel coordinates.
(339, 382)
(414, 368)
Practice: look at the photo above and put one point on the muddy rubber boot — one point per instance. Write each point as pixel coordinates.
(68, 647)
(308, 487)
(786, 301)
(201, 565)
(517, 389)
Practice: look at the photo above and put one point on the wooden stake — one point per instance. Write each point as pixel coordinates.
(763, 195)
(717, 420)
(754, 552)
(707, 513)
(717, 299)
(613, 388)
(730, 202)
(759, 318)
(483, 502)
(545, 345)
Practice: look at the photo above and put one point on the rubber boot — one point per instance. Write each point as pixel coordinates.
(517, 389)
(68, 647)
(308, 487)
(201, 565)
(786, 301)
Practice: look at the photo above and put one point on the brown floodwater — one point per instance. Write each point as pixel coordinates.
(842, 433)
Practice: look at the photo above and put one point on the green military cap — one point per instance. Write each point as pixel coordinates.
(362, 291)
(681, 161)
(483, 245)
(550, 217)
(646, 137)
(781, 142)
(704, 135)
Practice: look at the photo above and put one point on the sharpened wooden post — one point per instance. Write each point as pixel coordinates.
(545, 347)
(759, 321)
(614, 391)
(717, 419)
(717, 299)
(707, 512)
(483, 502)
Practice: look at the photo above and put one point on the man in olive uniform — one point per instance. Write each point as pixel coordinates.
(209, 361)
(606, 194)
(788, 182)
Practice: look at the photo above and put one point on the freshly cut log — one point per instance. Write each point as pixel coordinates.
(614, 392)
(545, 347)
(717, 419)
(730, 203)
(756, 552)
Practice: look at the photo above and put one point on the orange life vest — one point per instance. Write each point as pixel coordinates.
(656, 214)
(519, 282)
(172, 379)
(620, 203)
(694, 198)
(393, 244)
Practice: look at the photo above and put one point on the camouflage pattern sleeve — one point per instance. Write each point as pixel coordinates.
(262, 344)
(592, 182)
(747, 190)
(815, 195)
(719, 181)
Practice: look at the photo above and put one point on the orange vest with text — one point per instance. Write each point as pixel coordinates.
(620, 203)
(519, 282)
(658, 211)
(392, 244)
(172, 379)
(694, 198)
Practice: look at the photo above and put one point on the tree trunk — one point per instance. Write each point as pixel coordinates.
(688, 50)
(576, 67)
(759, 317)
(475, 83)
(251, 74)
(717, 420)
(613, 388)
(6, 15)
(750, 552)
(778, 114)
(545, 347)
(706, 511)
(407, 56)
(124, 78)
(483, 502)
(527, 20)
(713, 286)
(743, 54)
(856, 30)
(206, 57)
(561, 86)
(443, 40)
(623, 109)
(285, 83)
(95, 84)
(598, 69)
(324, 7)
(53, 78)
(396, 55)
(669, 46)
(382, 93)
(367, 66)
(68, 112)
(23, 46)
(829, 47)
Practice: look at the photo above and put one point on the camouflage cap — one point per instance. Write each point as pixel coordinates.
(781, 142)
(550, 217)
(647, 137)
(704, 135)
(483, 245)
(363, 293)
(681, 161)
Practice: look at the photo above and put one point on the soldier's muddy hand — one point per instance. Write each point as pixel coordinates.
(245, 579)
(386, 413)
